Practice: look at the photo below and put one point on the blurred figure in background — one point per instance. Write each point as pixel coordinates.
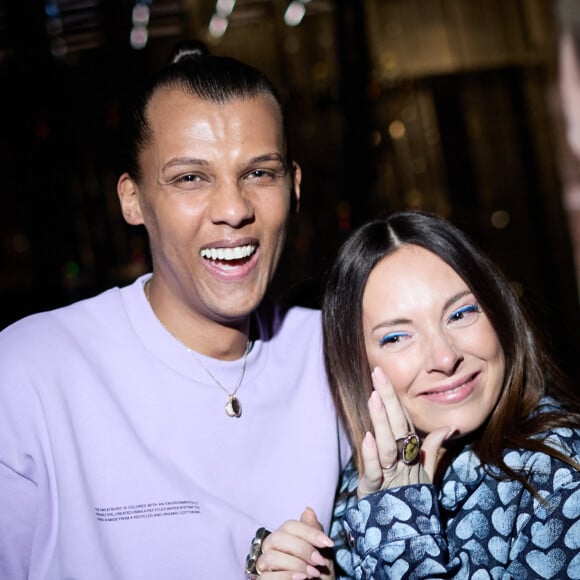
(568, 21)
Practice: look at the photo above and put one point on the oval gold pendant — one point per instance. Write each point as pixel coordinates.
(233, 407)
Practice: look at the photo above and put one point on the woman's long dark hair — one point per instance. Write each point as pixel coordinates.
(530, 373)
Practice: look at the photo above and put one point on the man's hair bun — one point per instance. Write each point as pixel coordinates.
(188, 49)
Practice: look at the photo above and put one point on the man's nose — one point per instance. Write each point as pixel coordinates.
(230, 205)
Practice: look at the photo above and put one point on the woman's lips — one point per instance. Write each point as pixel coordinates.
(453, 393)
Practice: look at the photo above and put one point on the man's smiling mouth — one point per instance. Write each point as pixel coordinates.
(228, 254)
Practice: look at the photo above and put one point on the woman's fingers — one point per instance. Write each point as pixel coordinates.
(309, 518)
(390, 419)
(397, 416)
(289, 571)
(431, 448)
(386, 445)
(383, 464)
(293, 548)
(372, 477)
(327, 569)
(287, 576)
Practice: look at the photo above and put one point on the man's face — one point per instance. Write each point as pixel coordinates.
(214, 197)
(570, 91)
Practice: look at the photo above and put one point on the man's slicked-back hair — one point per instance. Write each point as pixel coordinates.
(218, 79)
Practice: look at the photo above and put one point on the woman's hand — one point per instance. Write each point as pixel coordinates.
(294, 551)
(383, 467)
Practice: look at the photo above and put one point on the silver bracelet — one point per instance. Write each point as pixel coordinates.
(252, 571)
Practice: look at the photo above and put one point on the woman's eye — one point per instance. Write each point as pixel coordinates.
(392, 338)
(464, 313)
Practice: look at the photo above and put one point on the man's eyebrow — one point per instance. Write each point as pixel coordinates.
(176, 161)
(185, 161)
(268, 157)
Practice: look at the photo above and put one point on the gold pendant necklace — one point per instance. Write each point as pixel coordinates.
(233, 407)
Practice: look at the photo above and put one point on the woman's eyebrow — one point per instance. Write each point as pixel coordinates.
(455, 298)
(391, 322)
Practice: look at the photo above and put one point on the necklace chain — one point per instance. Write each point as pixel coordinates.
(233, 407)
(240, 379)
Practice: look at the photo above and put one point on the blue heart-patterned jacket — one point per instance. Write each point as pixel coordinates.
(473, 526)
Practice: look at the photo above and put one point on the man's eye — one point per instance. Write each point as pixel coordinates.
(260, 173)
(189, 178)
(187, 181)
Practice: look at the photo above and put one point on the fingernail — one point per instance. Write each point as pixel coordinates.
(377, 371)
(325, 540)
(312, 572)
(316, 558)
(375, 400)
(299, 576)
(369, 440)
(451, 432)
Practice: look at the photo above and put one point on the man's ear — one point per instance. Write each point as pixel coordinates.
(128, 192)
(295, 192)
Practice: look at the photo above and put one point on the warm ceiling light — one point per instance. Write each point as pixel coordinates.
(224, 7)
(139, 37)
(218, 26)
(141, 14)
(294, 13)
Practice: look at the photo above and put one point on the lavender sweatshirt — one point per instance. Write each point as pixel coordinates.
(118, 461)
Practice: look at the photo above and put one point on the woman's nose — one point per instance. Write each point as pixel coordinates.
(442, 354)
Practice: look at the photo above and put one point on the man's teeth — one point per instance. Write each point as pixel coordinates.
(236, 253)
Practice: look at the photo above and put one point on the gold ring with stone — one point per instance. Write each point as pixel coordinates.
(408, 448)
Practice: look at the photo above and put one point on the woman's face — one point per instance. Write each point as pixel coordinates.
(425, 329)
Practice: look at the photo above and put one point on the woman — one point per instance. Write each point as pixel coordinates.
(427, 345)
(496, 491)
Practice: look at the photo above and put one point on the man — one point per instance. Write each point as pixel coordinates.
(149, 431)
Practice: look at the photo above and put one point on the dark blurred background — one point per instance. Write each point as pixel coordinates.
(445, 105)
